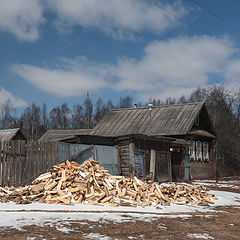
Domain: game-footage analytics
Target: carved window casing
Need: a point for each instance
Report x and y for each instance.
(192, 151)
(205, 151)
(199, 151)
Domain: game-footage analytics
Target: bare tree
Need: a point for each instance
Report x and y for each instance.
(77, 116)
(8, 120)
(59, 116)
(126, 102)
(31, 119)
(100, 111)
(88, 112)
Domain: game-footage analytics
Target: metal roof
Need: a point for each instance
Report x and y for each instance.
(59, 134)
(8, 134)
(164, 120)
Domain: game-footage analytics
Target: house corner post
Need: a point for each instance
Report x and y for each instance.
(152, 164)
(186, 166)
(132, 158)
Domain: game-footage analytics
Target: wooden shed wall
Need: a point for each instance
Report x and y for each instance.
(142, 152)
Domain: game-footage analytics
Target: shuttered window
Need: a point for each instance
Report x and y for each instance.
(192, 150)
(205, 151)
(199, 151)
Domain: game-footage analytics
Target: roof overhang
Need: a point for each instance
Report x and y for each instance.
(202, 133)
(146, 137)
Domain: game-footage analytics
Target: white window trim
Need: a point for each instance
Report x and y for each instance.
(206, 157)
(192, 146)
(199, 156)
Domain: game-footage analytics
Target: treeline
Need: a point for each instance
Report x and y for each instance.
(35, 119)
(223, 106)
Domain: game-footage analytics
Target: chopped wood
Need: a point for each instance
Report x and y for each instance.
(89, 183)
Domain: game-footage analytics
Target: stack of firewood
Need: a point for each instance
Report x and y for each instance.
(89, 183)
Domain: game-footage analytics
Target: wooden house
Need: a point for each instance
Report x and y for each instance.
(162, 143)
(190, 154)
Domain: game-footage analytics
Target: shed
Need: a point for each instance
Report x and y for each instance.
(127, 155)
(52, 135)
(189, 124)
(11, 134)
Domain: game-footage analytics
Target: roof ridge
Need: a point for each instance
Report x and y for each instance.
(9, 129)
(170, 105)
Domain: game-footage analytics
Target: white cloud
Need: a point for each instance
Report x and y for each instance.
(232, 71)
(15, 101)
(74, 79)
(173, 67)
(168, 68)
(21, 18)
(118, 18)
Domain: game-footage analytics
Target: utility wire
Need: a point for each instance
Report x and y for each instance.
(217, 16)
(199, 29)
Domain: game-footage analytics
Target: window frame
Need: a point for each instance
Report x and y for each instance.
(199, 151)
(205, 151)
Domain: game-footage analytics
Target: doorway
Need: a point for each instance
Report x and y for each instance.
(177, 168)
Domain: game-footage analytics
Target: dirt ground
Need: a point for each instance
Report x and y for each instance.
(223, 224)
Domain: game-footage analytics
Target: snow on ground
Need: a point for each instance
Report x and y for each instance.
(199, 236)
(97, 236)
(20, 219)
(220, 184)
(226, 199)
(17, 216)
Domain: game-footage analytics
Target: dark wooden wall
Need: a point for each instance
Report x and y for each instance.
(22, 161)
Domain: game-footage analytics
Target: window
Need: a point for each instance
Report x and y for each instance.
(205, 151)
(192, 150)
(139, 163)
(198, 151)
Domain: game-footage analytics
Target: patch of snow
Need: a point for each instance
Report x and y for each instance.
(199, 235)
(64, 229)
(227, 198)
(161, 226)
(220, 184)
(206, 216)
(20, 219)
(97, 236)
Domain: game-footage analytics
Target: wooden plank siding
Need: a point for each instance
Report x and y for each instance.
(22, 161)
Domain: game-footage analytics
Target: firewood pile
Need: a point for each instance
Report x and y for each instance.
(89, 183)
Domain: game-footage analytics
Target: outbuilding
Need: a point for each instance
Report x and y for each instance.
(7, 135)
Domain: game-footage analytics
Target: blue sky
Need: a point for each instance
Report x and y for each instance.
(54, 51)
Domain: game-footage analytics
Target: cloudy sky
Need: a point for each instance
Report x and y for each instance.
(54, 51)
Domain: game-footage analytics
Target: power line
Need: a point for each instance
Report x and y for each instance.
(221, 19)
(199, 29)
